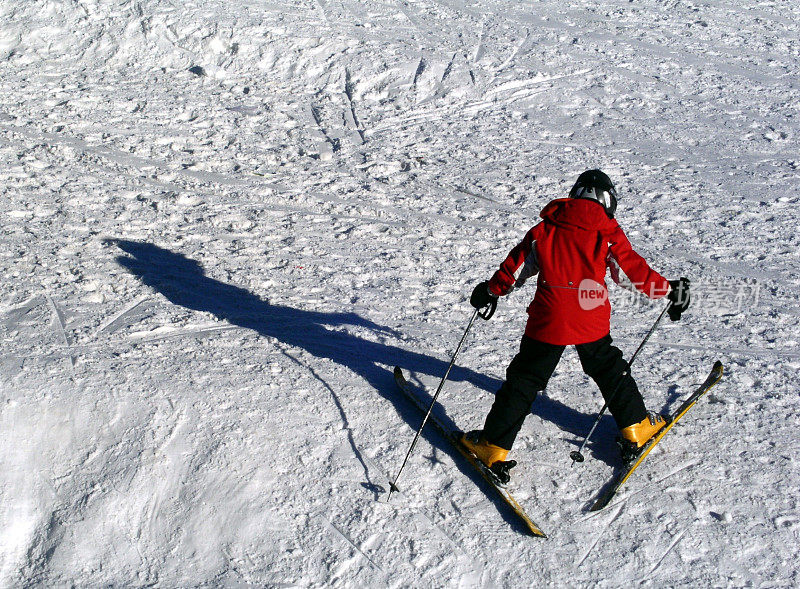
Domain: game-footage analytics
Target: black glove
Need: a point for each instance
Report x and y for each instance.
(679, 297)
(482, 298)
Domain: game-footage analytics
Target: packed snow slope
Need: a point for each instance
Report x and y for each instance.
(223, 222)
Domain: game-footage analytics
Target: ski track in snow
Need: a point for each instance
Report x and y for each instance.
(223, 223)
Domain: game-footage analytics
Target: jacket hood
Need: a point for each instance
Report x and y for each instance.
(577, 213)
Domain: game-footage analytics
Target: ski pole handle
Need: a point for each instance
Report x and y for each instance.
(488, 311)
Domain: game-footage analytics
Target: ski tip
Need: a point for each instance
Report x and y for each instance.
(716, 373)
(534, 529)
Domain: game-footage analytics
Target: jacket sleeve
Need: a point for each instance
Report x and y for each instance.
(629, 269)
(520, 265)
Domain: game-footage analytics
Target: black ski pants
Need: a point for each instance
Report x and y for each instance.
(533, 366)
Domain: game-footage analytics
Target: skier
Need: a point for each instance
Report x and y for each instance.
(570, 250)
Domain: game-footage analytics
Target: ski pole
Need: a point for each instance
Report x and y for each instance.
(485, 314)
(577, 455)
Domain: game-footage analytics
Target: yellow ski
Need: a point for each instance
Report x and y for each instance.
(454, 437)
(624, 475)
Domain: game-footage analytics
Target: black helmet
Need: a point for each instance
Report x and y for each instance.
(595, 185)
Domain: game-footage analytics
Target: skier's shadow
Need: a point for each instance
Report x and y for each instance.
(601, 445)
(576, 425)
(183, 282)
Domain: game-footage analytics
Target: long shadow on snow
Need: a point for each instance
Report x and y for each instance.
(184, 283)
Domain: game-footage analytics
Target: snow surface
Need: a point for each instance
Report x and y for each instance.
(223, 222)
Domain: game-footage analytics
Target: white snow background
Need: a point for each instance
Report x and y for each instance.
(223, 222)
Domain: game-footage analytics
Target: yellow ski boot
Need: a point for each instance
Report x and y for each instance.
(637, 435)
(493, 457)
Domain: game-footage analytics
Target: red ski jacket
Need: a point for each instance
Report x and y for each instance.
(570, 250)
